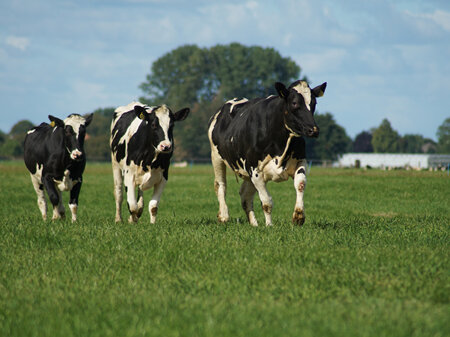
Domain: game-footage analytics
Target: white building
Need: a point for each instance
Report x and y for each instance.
(394, 160)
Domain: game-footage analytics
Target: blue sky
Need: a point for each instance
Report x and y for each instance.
(381, 58)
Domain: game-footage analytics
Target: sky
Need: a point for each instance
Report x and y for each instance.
(381, 58)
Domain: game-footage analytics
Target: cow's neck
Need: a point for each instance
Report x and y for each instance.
(278, 124)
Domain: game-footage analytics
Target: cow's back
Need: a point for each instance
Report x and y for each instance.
(245, 131)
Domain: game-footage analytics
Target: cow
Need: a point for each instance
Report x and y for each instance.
(54, 155)
(141, 147)
(262, 140)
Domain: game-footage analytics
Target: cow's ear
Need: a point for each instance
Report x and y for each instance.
(281, 90)
(88, 119)
(181, 115)
(140, 111)
(319, 90)
(55, 121)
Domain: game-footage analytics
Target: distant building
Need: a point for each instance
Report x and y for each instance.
(394, 160)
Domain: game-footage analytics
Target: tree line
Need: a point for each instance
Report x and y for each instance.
(204, 78)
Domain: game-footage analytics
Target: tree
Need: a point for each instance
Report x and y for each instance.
(410, 144)
(97, 136)
(385, 139)
(363, 142)
(443, 135)
(332, 141)
(203, 79)
(12, 146)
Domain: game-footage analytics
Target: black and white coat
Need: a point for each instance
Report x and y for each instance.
(141, 147)
(54, 155)
(261, 140)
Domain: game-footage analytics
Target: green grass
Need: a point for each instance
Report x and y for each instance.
(371, 260)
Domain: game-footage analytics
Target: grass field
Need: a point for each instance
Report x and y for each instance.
(371, 260)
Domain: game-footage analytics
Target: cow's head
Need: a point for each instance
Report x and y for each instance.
(160, 121)
(74, 127)
(300, 102)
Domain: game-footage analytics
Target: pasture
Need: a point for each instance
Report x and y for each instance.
(371, 260)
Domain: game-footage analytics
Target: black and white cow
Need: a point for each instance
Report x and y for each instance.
(141, 148)
(55, 157)
(262, 140)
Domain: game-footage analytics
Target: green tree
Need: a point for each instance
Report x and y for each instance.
(385, 139)
(332, 141)
(443, 135)
(97, 136)
(363, 142)
(203, 79)
(12, 146)
(410, 144)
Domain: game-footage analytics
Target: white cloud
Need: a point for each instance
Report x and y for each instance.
(441, 18)
(18, 42)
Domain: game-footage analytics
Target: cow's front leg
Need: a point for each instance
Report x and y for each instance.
(41, 201)
(73, 202)
(61, 213)
(153, 204)
(247, 193)
(298, 217)
(130, 189)
(140, 202)
(264, 196)
(53, 195)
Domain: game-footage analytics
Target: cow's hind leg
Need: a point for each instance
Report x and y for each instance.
(118, 190)
(220, 186)
(41, 201)
(264, 196)
(153, 204)
(298, 217)
(247, 193)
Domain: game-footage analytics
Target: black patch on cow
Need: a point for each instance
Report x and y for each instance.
(301, 170)
(141, 145)
(49, 146)
(257, 130)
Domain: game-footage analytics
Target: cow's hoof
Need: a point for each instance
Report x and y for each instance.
(298, 218)
(222, 218)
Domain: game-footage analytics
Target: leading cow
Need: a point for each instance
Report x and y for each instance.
(261, 140)
(54, 155)
(142, 145)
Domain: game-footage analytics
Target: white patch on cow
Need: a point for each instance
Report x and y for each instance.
(73, 210)
(127, 108)
(75, 121)
(163, 114)
(36, 179)
(303, 89)
(66, 184)
(31, 131)
(235, 102)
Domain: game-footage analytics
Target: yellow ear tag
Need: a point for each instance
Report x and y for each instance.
(142, 116)
(52, 124)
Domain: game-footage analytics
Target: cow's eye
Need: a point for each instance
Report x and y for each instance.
(153, 125)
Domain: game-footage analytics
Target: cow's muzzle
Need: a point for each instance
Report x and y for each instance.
(313, 132)
(165, 147)
(76, 154)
